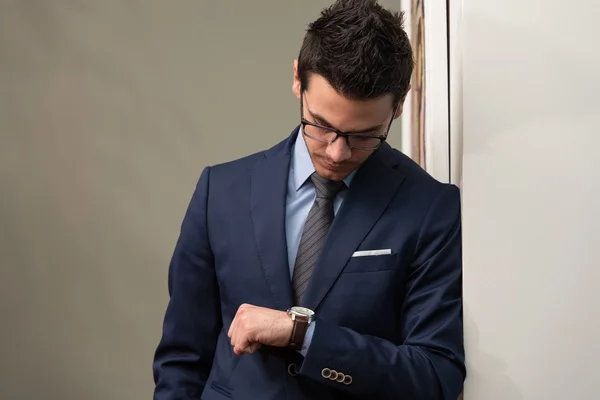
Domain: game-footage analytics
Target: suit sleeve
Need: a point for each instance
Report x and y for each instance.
(192, 322)
(429, 363)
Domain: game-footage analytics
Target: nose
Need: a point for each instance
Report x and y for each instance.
(339, 151)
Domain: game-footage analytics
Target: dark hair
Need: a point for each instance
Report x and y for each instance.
(360, 48)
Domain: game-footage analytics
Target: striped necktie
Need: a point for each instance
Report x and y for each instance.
(315, 231)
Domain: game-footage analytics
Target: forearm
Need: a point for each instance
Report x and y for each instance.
(379, 368)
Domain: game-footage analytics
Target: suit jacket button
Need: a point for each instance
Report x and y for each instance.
(347, 380)
(334, 375)
(326, 373)
(292, 369)
(340, 378)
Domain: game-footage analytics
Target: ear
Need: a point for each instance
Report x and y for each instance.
(296, 83)
(400, 107)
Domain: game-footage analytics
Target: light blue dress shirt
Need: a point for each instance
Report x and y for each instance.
(300, 197)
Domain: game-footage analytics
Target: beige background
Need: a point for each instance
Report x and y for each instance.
(108, 112)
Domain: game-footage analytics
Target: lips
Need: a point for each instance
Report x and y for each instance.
(334, 167)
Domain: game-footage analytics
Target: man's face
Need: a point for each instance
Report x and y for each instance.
(323, 105)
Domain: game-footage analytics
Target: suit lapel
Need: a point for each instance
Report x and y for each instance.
(372, 189)
(267, 207)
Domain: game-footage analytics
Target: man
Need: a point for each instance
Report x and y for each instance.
(329, 266)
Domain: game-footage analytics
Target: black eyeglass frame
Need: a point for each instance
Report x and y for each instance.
(338, 133)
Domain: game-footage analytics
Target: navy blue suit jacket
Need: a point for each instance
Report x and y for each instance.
(393, 323)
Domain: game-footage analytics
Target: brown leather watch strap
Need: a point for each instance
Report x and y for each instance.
(298, 332)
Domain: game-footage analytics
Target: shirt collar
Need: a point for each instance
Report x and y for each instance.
(302, 165)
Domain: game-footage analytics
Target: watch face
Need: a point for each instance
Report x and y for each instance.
(302, 311)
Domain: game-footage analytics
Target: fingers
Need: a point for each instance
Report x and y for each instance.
(238, 314)
(239, 341)
(254, 347)
(232, 329)
(239, 333)
(250, 348)
(242, 344)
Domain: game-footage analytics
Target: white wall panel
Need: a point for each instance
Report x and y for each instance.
(531, 184)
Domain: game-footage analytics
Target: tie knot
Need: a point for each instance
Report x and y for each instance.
(326, 189)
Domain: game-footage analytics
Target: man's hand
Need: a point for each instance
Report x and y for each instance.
(254, 326)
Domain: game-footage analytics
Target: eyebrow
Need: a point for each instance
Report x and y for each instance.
(325, 123)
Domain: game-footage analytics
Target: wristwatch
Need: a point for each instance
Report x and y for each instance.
(302, 317)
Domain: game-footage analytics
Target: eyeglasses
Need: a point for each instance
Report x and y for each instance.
(324, 134)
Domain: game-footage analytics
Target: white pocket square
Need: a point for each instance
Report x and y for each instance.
(365, 253)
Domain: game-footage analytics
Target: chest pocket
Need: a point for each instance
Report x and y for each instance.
(371, 263)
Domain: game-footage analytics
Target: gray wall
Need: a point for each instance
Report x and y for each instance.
(108, 112)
